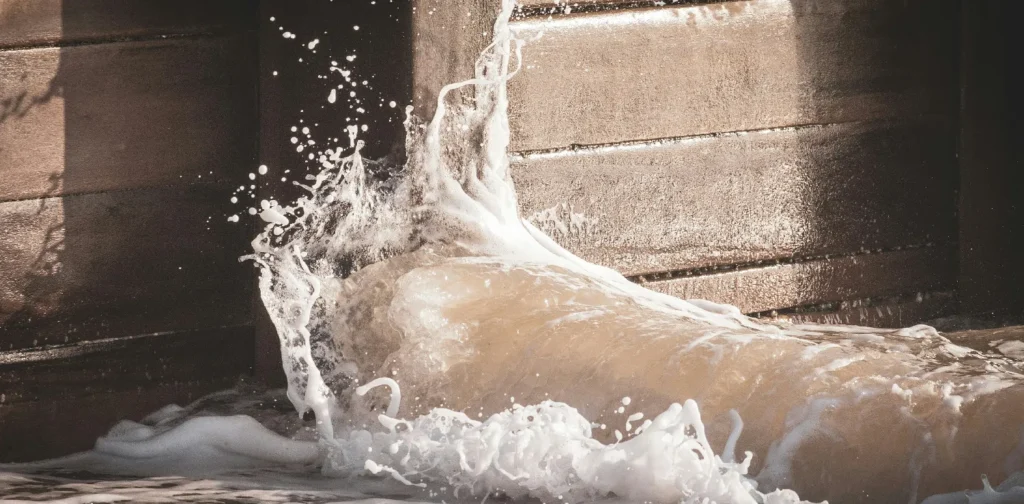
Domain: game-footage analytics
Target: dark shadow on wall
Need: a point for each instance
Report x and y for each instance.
(145, 128)
(881, 175)
(369, 45)
(991, 158)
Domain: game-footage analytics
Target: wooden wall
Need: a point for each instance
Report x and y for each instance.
(124, 128)
(785, 156)
(846, 161)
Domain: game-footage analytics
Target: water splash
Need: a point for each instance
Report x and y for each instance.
(421, 270)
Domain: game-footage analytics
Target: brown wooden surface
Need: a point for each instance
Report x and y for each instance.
(125, 125)
(126, 115)
(60, 400)
(118, 264)
(991, 206)
(446, 44)
(657, 139)
(38, 22)
(885, 312)
(678, 71)
(766, 288)
(748, 197)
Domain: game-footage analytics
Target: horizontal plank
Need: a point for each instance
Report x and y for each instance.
(116, 264)
(896, 314)
(126, 115)
(109, 366)
(678, 71)
(445, 46)
(820, 281)
(59, 400)
(35, 22)
(570, 6)
(746, 197)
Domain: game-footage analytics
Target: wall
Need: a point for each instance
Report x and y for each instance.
(793, 157)
(124, 128)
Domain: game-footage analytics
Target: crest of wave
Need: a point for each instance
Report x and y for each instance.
(546, 451)
(451, 192)
(452, 196)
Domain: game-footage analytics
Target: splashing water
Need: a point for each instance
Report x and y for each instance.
(432, 279)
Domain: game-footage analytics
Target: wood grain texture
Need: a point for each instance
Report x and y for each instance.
(118, 264)
(820, 281)
(58, 401)
(446, 43)
(747, 197)
(126, 115)
(991, 159)
(679, 71)
(42, 22)
(885, 314)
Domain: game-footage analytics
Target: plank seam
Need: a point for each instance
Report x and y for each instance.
(704, 271)
(832, 307)
(535, 11)
(49, 44)
(61, 352)
(222, 185)
(597, 148)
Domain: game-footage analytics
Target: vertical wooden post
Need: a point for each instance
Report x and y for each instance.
(991, 171)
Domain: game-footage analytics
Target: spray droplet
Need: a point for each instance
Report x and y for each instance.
(333, 97)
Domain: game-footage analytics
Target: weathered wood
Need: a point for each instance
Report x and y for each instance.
(37, 22)
(99, 367)
(992, 159)
(126, 115)
(884, 313)
(547, 7)
(446, 43)
(120, 264)
(57, 401)
(828, 280)
(679, 71)
(741, 198)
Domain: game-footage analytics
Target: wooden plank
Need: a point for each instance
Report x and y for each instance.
(541, 7)
(58, 401)
(896, 314)
(991, 160)
(126, 115)
(446, 43)
(679, 71)
(742, 198)
(820, 281)
(120, 264)
(99, 367)
(41, 22)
